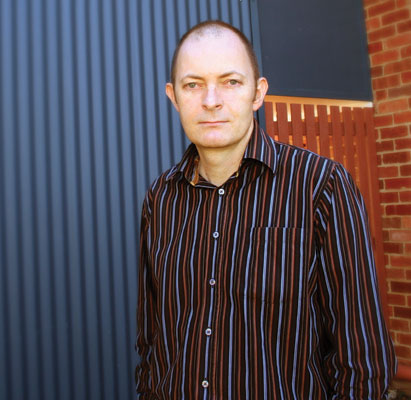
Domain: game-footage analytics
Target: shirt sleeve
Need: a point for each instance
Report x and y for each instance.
(359, 359)
(145, 310)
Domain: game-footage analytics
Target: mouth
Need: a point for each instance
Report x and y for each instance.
(210, 123)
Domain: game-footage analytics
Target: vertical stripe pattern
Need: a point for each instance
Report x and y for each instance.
(262, 288)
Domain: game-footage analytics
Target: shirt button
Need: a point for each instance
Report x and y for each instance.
(208, 331)
(221, 191)
(216, 235)
(211, 282)
(204, 384)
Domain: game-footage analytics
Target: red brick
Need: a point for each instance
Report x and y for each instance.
(395, 16)
(386, 82)
(408, 277)
(396, 157)
(389, 197)
(382, 33)
(393, 248)
(390, 106)
(402, 312)
(406, 77)
(399, 40)
(381, 94)
(385, 56)
(386, 236)
(401, 144)
(400, 287)
(402, 3)
(388, 172)
(383, 120)
(398, 66)
(377, 71)
(368, 3)
(392, 222)
(402, 351)
(404, 338)
(398, 209)
(406, 224)
(400, 261)
(394, 132)
(406, 52)
(400, 118)
(404, 26)
(395, 273)
(385, 145)
(407, 248)
(396, 299)
(399, 325)
(374, 47)
(406, 198)
(405, 169)
(399, 236)
(373, 23)
(381, 8)
(400, 91)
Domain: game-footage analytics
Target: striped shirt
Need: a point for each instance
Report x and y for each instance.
(262, 288)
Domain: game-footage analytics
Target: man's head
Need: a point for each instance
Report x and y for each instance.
(215, 86)
(216, 27)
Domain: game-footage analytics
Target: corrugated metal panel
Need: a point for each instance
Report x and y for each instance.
(84, 128)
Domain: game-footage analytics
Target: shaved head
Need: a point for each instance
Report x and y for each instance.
(215, 28)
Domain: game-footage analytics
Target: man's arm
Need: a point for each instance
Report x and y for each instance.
(145, 310)
(359, 359)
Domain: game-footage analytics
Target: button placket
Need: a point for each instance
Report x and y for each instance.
(208, 328)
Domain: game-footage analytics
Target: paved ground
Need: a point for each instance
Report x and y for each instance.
(400, 390)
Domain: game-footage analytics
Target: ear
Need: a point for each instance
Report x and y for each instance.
(171, 95)
(261, 90)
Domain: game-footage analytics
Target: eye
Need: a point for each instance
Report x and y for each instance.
(192, 85)
(231, 82)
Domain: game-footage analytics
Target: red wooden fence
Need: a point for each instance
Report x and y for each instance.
(347, 136)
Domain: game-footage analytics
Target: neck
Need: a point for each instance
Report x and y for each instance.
(216, 165)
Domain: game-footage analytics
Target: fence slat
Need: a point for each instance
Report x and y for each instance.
(324, 131)
(362, 154)
(311, 127)
(282, 120)
(297, 126)
(269, 118)
(349, 141)
(336, 129)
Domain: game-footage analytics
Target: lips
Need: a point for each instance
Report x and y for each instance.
(212, 122)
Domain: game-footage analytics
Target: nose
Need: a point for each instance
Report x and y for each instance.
(212, 98)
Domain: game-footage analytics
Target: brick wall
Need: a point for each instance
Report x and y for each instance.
(389, 40)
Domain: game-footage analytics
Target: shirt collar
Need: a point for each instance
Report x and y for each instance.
(261, 147)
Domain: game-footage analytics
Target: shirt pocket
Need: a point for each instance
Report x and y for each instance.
(271, 264)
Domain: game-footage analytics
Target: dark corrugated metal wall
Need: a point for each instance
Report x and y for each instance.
(84, 128)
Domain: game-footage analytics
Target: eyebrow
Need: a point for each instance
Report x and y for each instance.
(192, 76)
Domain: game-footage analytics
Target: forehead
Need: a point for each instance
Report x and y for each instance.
(213, 52)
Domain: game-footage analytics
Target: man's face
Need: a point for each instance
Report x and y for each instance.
(215, 91)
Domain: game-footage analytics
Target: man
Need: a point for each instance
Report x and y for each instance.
(257, 277)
